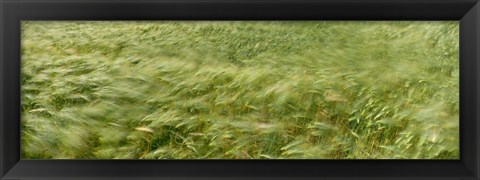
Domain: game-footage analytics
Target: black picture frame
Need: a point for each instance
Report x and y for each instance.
(14, 11)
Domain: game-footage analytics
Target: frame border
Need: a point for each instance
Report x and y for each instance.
(465, 11)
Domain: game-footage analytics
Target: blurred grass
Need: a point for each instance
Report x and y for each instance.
(240, 90)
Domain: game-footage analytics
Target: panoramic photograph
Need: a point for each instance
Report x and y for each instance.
(322, 90)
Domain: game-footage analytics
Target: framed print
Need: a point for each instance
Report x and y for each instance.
(245, 89)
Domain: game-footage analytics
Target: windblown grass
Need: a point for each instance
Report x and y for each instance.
(240, 90)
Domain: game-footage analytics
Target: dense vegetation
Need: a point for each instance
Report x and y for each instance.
(240, 90)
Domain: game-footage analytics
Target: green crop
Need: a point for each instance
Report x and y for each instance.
(240, 90)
